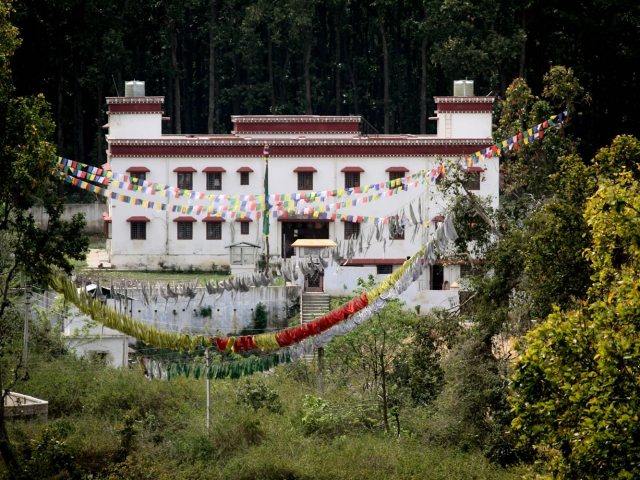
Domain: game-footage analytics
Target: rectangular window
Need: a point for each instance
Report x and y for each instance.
(244, 228)
(142, 176)
(384, 269)
(244, 178)
(185, 231)
(138, 230)
(305, 181)
(214, 231)
(214, 181)
(351, 230)
(351, 180)
(185, 180)
(395, 175)
(472, 181)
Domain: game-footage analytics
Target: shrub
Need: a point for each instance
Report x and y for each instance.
(257, 395)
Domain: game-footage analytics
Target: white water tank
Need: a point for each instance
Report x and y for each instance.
(134, 89)
(463, 88)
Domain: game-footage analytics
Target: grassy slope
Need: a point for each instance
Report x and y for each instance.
(91, 402)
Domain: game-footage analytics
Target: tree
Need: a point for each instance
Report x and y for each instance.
(373, 347)
(27, 249)
(574, 389)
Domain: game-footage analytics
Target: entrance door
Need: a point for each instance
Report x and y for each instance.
(314, 282)
(307, 230)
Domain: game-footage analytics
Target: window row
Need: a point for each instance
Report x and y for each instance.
(185, 230)
(305, 178)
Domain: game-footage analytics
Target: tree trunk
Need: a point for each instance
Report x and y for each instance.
(272, 87)
(175, 71)
(307, 77)
(100, 134)
(59, 121)
(352, 77)
(383, 379)
(177, 107)
(522, 49)
(385, 70)
(212, 68)
(8, 455)
(338, 89)
(423, 86)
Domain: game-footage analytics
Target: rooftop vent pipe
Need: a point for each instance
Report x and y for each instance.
(134, 89)
(463, 88)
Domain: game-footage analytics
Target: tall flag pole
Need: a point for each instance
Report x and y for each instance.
(265, 217)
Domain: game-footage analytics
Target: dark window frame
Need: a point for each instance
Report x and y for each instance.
(351, 229)
(396, 175)
(472, 181)
(302, 180)
(211, 180)
(185, 230)
(384, 269)
(214, 231)
(351, 179)
(139, 175)
(244, 228)
(138, 230)
(185, 180)
(244, 178)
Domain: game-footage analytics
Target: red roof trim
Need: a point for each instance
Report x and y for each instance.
(352, 170)
(184, 219)
(214, 170)
(185, 170)
(138, 170)
(305, 170)
(374, 261)
(213, 219)
(313, 150)
(397, 169)
(244, 220)
(438, 219)
(303, 220)
(473, 169)
(244, 169)
(139, 218)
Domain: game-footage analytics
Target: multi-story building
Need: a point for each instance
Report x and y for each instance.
(307, 154)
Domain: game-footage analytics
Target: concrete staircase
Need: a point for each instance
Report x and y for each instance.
(314, 305)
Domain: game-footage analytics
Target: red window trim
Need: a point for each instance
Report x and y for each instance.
(185, 170)
(138, 219)
(473, 169)
(214, 170)
(213, 219)
(397, 169)
(245, 170)
(305, 170)
(184, 219)
(352, 170)
(178, 230)
(138, 170)
(244, 220)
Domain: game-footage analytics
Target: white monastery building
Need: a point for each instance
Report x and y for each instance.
(307, 154)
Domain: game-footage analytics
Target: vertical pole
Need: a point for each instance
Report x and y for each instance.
(320, 366)
(208, 391)
(265, 228)
(25, 347)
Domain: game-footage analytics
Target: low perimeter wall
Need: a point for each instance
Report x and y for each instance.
(92, 214)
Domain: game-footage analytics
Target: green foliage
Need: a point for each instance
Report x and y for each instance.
(258, 395)
(574, 388)
(205, 311)
(260, 317)
(317, 417)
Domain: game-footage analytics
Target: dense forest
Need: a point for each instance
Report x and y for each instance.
(384, 59)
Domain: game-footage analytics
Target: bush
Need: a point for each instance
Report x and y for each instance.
(257, 395)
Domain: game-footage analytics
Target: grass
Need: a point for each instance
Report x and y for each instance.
(152, 276)
(97, 412)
